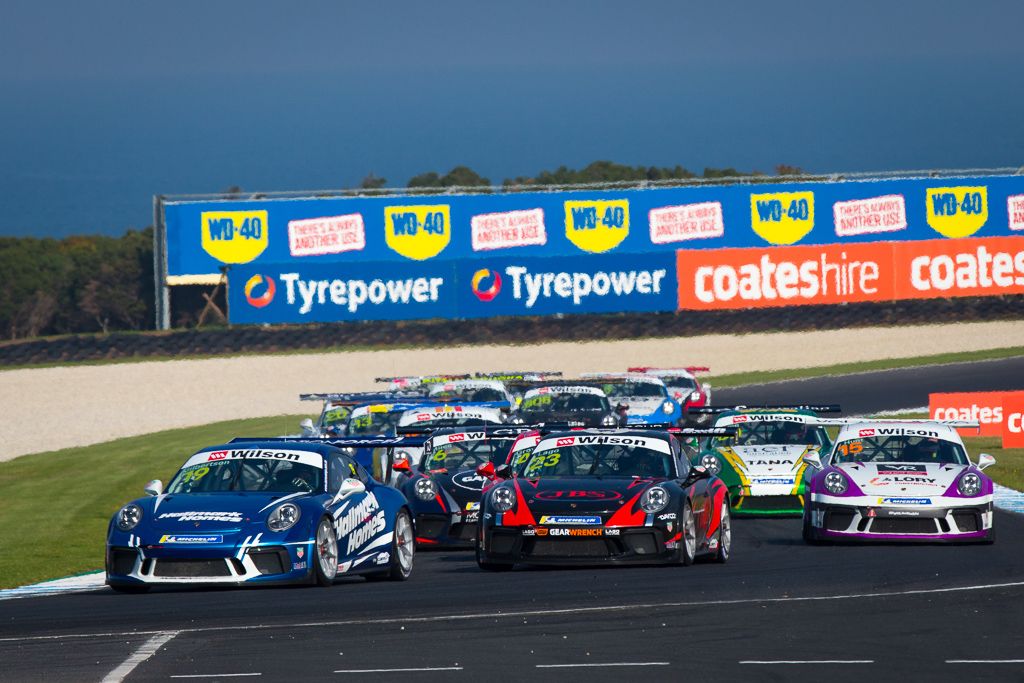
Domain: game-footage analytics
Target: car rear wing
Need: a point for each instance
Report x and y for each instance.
(342, 441)
(816, 408)
(690, 369)
(357, 398)
(424, 379)
(956, 424)
(518, 375)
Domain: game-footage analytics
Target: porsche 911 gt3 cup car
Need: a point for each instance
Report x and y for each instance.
(336, 415)
(605, 496)
(648, 398)
(566, 402)
(418, 383)
(444, 489)
(763, 463)
(472, 391)
(261, 511)
(900, 481)
(682, 383)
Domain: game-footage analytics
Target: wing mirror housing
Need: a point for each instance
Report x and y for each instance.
(985, 460)
(156, 487)
(349, 487)
(307, 427)
(402, 466)
(486, 470)
(813, 459)
(697, 472)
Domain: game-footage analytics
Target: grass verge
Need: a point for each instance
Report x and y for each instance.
(56, 506)
(759, 377)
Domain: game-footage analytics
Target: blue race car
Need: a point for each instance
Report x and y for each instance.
(263, 511)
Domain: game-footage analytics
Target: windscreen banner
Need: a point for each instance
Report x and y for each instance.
(204, 236)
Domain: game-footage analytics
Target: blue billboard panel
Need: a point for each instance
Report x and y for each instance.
(331, 292)
(203, 236)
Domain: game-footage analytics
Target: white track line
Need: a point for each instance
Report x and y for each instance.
(214, 675)
(573, 666)
(808, 661)
(145, 651)
(985, 661)
(384, 671)
(527, 613)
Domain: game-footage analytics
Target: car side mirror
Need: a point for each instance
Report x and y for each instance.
(486, 470)
(985, 460)
(813, 459)
(307, 427)
(401, 466)
(349, 487)
(156, 487)
(503, 471)
(697, 472)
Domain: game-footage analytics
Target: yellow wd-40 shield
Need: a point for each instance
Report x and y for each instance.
(234, 236)
(418, 232)
(782, 217)
(598, 225)
(957, 211)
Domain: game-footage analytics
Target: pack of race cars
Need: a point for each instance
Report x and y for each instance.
(533, 468)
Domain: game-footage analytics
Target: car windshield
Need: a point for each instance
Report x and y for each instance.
(442, 420)
(334, 416)
(918, 449)
(598, 460)
(773, 433)
(679, 382)
(565, 403)
(625, 389)
(467, 455)
(374, 423)
(277, 476)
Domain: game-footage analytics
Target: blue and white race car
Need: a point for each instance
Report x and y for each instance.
(263, 511)
(649, 400)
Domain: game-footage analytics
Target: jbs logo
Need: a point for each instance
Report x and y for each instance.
(579, 495)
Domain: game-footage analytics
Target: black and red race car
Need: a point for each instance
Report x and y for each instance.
(606, 496)
(444, 488)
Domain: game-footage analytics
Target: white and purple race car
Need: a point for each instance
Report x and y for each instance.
(899, 480)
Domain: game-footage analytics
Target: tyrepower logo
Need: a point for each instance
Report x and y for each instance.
(253, 293)
(580, 286)
(355, 293)
(486, 284)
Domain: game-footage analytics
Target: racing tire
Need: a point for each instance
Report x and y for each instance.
(129, 588)
(724, 535)
(325, 551)
(490, 566)
(809, 534)
(688, 533)
(403, 551)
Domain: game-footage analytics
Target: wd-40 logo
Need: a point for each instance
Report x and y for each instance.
(418, 232)
(234, 236)
(597, 226)
(957, 211)
(259, 290)
(486, 284)
(782, 217)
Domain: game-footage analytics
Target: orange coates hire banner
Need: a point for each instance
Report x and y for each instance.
(1001, 413)
(711, 279)
(1013, 419)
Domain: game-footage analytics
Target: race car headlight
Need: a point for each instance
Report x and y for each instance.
(667, 407)
(503, 499)
(425, 489)
(654, 500)
(969, 484)
(609, 421)
(711, 464)
(129, 517)
(283, 517)
(835, 482)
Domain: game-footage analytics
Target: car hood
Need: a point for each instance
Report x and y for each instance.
(581, 495)
(645, 406)
(221, 512)
(894, 479)
(463, 485)
(765, 462)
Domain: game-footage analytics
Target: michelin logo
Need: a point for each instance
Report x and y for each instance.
(352, 294)
(578, 286)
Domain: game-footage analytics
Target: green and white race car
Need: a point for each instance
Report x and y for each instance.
(763, 463)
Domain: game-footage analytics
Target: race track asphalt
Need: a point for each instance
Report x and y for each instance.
(779, 610)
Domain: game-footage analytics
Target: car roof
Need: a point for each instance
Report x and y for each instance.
(324, 449)
(468, 384)
(725, 418)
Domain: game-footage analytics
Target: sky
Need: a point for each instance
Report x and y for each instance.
(103, 105)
